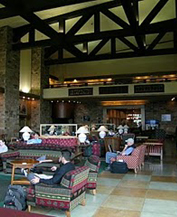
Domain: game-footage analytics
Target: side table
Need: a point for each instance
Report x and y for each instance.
(22, 163)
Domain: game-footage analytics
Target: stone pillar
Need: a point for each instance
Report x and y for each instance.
(9, 74)
(40, 109)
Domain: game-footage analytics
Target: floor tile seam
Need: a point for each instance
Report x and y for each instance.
(164, 181)
(161, 200)
(168, 183)
(158, 213)
(121, 209)
(161, 190)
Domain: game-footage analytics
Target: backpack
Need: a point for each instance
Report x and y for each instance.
(118, 167)
(87, 151)
(15, 198)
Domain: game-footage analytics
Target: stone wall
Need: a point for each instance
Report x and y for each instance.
(40, 109)
(9, 73)
(90, 109)
(154, 110)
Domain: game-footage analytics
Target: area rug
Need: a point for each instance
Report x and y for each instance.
(102, 166)
(4, 183)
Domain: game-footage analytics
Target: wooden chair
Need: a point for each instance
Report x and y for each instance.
(113, 141)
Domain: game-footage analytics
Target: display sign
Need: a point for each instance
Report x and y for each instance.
(166, 117)
(80, 91)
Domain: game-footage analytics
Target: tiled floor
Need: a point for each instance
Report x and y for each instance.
(150, 193)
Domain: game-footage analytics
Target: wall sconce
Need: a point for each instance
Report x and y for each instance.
(82, 131)
(102, 131)
(26, 133)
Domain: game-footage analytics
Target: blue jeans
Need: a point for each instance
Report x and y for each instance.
(109, 155)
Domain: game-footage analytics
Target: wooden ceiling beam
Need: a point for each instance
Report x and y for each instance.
(21, 31)
(153, 13)
(128, 43)
(155, 41)
(116, 56)
(75, 28)
(81, 12)
(164, 26)
(97, 22)
(115, 19)
(40, 25)
(131, 13)
(98, 47)
(38, 5)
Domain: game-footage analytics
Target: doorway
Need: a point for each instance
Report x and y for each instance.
(133, 116)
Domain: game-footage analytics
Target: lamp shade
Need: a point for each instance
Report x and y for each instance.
(26, 129)
(82, 129)
(102, 128)
(126, 126)
(51, 128)
(120, 127)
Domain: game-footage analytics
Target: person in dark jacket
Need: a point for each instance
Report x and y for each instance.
(58, 172)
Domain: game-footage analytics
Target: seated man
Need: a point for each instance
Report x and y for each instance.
(35, 139)
(128, 149)
(59, 172)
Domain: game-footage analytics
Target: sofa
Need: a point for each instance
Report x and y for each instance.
(7, 157)
(48, 144)
(65, 196)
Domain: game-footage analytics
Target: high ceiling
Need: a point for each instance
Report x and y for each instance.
(87, 30)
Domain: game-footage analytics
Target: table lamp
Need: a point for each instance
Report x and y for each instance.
(51, 129)
(26, 133)
(120, 129)
(126, 127)
(82, 133)
(102, 131)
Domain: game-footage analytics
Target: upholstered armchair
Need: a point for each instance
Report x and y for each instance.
(134, 160)
(65, 196)
(93, 163)
(142, 155)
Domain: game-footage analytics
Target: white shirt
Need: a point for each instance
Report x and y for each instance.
(3, 148)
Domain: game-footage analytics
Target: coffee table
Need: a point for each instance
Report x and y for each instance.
(22, 163)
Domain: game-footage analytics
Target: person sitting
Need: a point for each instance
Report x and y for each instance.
(128, 149)
(3, 147)
(35, 139)
(67, 166)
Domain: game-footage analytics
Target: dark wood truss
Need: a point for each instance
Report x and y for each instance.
(62, 40)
